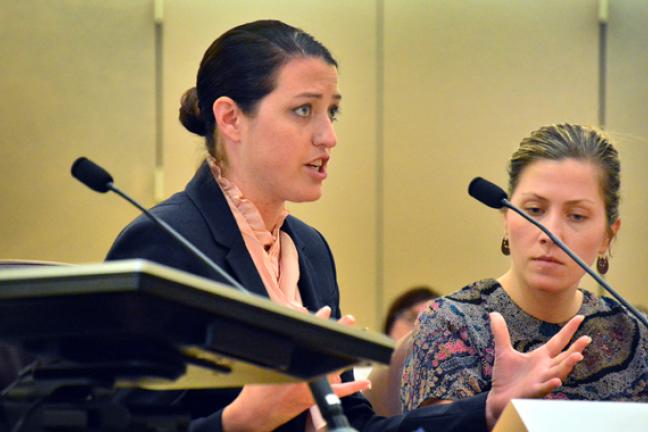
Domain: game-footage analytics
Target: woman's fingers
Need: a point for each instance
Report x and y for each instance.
(577, 347)
(347, 388)
(347, 320)
(580, 344)
(547, 387)
(500, 332)
(334, 379)
(564, 368)
(324, 312)
(556, 344)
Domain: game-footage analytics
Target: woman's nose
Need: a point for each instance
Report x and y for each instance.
(325, 133)
(554, 223)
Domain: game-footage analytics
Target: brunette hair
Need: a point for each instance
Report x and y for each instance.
(405, 301)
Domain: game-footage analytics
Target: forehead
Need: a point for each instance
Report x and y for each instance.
(567, 179)
(308, 75)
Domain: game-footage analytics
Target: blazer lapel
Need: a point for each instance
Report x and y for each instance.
(208, 197)
(244, 269)
(307, 288)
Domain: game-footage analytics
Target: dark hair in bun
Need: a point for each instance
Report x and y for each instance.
(190, 116)
(243, 64)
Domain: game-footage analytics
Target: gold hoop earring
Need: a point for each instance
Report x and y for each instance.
(602, 264)
(505, 247)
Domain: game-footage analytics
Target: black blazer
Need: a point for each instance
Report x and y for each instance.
(202, 215)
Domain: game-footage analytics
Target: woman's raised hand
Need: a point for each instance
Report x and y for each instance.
(533, 374)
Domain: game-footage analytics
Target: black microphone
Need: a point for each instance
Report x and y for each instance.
(493, 196)
(98, 179)
(91, 175)
(486, 192)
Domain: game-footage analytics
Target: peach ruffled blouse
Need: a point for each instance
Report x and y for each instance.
(273, 252)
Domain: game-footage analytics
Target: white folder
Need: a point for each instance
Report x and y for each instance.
(537, 415)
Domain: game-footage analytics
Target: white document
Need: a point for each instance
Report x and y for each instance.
(537, 415)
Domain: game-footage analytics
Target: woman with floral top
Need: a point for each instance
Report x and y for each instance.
(568, 178)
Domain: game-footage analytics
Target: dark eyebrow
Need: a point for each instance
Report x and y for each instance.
(336, 96)
(534, 196)
(579, 201)
(571, 202)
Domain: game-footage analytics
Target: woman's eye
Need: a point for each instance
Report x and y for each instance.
(334, 112)
(303, 111)
(534, 211)
(577, 217)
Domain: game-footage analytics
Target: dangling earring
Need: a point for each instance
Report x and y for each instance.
(602, 264)
(506, 250)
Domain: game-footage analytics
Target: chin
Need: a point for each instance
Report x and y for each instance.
(551, 289)
(548, 283)
(306, 196)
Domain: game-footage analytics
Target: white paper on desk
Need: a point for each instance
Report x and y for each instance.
(537, 415)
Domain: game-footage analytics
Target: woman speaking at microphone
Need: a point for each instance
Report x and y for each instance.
(568, 178)
(265, 100)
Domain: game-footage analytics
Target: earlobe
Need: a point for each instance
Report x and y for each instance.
(227, 115)
(614, 229)
(504, 214)
(616, 226)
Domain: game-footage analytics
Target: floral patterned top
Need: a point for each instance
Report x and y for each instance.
(453, 352)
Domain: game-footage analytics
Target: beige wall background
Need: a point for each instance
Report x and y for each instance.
(435, 93)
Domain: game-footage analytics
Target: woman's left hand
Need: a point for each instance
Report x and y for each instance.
(533, 374)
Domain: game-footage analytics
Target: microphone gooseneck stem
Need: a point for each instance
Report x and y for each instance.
(642, 318)
(330, 406)
(180, 238)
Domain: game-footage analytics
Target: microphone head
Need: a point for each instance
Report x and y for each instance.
(91, 175)
(487, 192)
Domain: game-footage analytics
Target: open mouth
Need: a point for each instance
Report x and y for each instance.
(318, 165)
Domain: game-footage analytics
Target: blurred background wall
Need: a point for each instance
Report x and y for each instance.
(435, 93)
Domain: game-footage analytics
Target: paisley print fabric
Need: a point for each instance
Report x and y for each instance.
(453, 352)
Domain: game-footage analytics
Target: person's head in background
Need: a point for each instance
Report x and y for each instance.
(404, 310)
(568, 177)
(265, 98)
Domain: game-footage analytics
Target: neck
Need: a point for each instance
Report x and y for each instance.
(269, 210)
(270, 213)
(552, 307)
